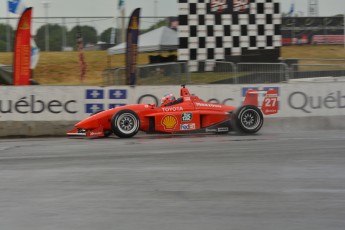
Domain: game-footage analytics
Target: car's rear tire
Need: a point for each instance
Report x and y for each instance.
(247, 119)
(125, 123)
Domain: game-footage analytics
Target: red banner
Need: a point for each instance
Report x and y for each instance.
(328, 39)
(22, 50)
(82, 62)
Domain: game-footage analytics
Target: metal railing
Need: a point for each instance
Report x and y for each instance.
(172, 73)
(6, 72)
(262, 72)
(220, 72)
(298, 71)
(215, 72)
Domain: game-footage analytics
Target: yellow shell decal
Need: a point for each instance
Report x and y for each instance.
(169, 122)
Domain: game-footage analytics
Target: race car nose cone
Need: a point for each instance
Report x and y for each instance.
(87, 124)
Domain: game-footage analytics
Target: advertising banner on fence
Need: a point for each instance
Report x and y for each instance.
(52, 103)
(22, 50)
(132, 47)
(228, 6)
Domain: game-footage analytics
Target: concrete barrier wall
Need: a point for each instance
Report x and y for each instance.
(47, 110)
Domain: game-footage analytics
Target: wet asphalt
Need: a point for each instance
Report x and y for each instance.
(272, 180)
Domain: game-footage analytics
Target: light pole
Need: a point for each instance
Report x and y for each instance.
(155, 10)
(46, 5)
(8, 33)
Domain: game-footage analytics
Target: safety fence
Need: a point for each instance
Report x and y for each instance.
(316, 71)
(220, 72)
(216, 72)
(262, 72)
(59, 33)
(301, 68)
(154, 74)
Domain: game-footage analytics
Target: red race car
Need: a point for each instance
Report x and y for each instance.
(187, 114)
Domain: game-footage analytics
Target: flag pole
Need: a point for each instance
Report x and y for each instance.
(123, 34)
(122, 20)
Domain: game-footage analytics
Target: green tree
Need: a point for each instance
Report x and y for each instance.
(155, 26)
(89, 35)
(4, 29)
(106, 35)
(56, 33)
(2, 46)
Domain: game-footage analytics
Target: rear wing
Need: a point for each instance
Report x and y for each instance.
(270, 103)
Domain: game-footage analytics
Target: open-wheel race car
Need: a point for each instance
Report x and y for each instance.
(187, 114)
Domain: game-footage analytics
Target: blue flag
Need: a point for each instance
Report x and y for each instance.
(292, 9)
(34, 54)
(121, 4)
(16, 6)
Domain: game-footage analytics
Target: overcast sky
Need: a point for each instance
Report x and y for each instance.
(95, 8)
(165, 7)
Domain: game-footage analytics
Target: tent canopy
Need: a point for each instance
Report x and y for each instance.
(161, 39)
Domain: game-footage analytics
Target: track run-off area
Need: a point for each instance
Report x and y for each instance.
(271, 180)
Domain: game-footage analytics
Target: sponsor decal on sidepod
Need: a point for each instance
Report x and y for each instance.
(169, 122)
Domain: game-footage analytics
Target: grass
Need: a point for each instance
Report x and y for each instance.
(314, 51)
(62, 68)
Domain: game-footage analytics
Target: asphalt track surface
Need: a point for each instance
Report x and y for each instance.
(269, 181)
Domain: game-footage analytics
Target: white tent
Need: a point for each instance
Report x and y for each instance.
(161, 39)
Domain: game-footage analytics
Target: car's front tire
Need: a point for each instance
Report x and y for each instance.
(125, 123)
(247, 119)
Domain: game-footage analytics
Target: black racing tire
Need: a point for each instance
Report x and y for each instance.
(247, 119)
(125, 123)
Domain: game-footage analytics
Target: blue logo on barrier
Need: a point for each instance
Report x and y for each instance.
(92, 108)
(117, 94)
(94, 94)
(111, 106)
(245, 89)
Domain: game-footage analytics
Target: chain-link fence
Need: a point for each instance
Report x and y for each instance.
(6, 72)
(174, 73)
(215, 72)
(218, 72)
(262, 72)
(316, 71)
(315, 67)
(59, 33)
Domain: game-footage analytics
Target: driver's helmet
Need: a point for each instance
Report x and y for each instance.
(168, 98)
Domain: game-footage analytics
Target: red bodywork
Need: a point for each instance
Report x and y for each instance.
(191, 115)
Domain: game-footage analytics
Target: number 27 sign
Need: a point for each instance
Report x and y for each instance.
(270, 104)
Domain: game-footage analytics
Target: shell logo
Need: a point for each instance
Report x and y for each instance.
(169, 122)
